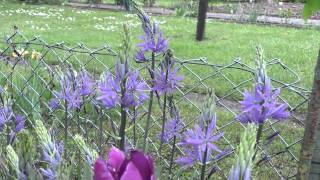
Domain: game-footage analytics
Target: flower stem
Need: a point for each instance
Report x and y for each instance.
(172, 156)
(100, 135)
(122, 131)
(65, 124)
(258, 137)
(8, 135)
(259, 134)
(204, 163)
(134, 127)
(146, 132)
(163, 114)
(163, 122)
(85, 122)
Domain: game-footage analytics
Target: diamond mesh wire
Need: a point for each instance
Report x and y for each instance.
(32, 83)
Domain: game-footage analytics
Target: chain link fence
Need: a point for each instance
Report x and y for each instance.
(30, 69)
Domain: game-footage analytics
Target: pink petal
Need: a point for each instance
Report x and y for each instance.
(116, 158)
(144, 164)
(131, 173)
(101, 171)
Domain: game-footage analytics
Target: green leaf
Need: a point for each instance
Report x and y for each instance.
(310, 7)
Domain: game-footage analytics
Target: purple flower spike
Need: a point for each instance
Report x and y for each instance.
(167, 84)
(172, 128)
(138, 167)
(69, 93)
(197, 141)
(262, 104)
(52, 155)
(140, 57)
(153, 41)
(109, 91)
(6, 114)
(136, 91)
(54, 104)
(86, 85)
(20, 122)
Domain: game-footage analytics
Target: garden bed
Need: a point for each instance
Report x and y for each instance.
(237, 14)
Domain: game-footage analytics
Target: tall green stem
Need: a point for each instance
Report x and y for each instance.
(163, 115)
(258, 137)
(172, 156)
(204, 163)
(122, 131)
(146, 132)
(65, 125)
(134, 127)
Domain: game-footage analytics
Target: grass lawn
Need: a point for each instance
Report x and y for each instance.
(224, 42)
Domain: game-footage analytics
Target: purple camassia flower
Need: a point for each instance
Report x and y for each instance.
(52, 155)
(167, 84)
(6, 114)
(136, 90)
(153, 41)
(69, 93)
(20, 125)
(138, 167)
(54, 104)
(110, 89)
(141, 56)
(86, 85)
(197, 141)
(172, 128)
(261, 105)
(72, 90)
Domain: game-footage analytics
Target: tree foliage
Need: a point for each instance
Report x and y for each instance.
(310, 7)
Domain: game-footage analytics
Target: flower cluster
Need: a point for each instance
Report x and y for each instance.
(243, 167)
(135, 89)
(19, 126)
(167, 82)
(199, 140)
(172, 129)
(86, 85)
(153, 41)
(138, 166)
(52, 155)
(261, 105)
(72, 90)
(51, 151)
(8, 116)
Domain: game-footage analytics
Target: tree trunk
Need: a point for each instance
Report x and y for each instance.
(310, 153)
(119, 2)
(315, 161)
(202, 15)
